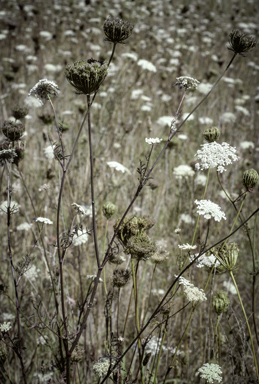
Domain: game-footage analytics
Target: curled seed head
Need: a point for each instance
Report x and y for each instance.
(13, 130)
(109, 209)
(117, 30)
(240, 43)
(20, 112)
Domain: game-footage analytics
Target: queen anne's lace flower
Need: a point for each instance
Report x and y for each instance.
(191, 292)
(209, 210)
(5, 327)
(118, 166)
(79, 209)
(187, 82)
(145, 64)
(43, 220)
(215, 155)
(43, 89)
(183, 171)
(153, 141)
(80, 238)
(211, 372)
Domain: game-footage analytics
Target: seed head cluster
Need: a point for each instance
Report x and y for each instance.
(240, 42)
(117, 30)
(43, 90)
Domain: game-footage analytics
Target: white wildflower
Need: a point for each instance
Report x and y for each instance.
(204, 88)
(205, 120)
(44, 187)
(14, 207)
(5, 327)
(32, 273)
(153, 141)
(247, 144)
(187, 82)
(200, 180)
(158, 291)
(118, 166)
(208, 209)
(204, 260)
(183, 171)
(243, 110)
(43, 220)
(187, 247)
(43, 377)
(165, 120)
(136, 93)
(215, 155)
(42, 340)
(145, 64)
(47, 35)
(120, 338)
(177, 230)
(24, 227)
(49, 152)
(191, 292)
(133, 56)
(230, 287)
(7, 316)
(43, 89)
(182, 137)
(79, 209)
(228, 117)
(186, 218)
(211, 372)
(80, 238)
(153, 345)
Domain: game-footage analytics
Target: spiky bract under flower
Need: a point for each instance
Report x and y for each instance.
(86, 76)
(117, 30)
(43, 90)
(240, 42)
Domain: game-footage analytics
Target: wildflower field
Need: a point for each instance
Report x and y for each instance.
(129, 199)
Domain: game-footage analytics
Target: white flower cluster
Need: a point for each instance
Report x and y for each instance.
(215, 155)
(153, 345)
(187, 82)
(80, 238)
(118, 166)
(145, 64)
(183, 171)
(32, 273)
(5, 327)
(153, 141)
(204, 260)
(211, 372)
(79, 209)
(187, 247)
(209, 209)
(43, 220)
(43, 89)
(191, 292)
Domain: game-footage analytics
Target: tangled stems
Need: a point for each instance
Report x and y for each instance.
(247, 323)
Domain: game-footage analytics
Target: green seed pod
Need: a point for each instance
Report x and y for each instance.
(86, 76)
(13, 130)
(120, 277)
(20, 112)
(211, 134)
(109, 209)
(141, 247)
(250, 178)
(220, 302)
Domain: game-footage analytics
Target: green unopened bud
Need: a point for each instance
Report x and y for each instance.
(109, 209)
(13, 130)
(211, 134)
(20, 112)
(220, 302)
(86, 76)
(250, 178)
(228, 255)
(120, 277)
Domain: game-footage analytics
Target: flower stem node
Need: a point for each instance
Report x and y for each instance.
(240, 42)
(109, 209)
(211, 134)
(220, 302)
(117, 30)
(86, 76)
(13, 130)
(250, 178)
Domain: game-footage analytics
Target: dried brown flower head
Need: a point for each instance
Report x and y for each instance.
(117, 30)
(240, 42)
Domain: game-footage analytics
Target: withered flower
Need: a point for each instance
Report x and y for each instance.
(117, 30)
(240, 42)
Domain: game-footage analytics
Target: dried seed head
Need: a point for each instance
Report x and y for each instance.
(109, 209)
(86, 76)
(211, 134)
(43, 90)
(161, 255)
(220, 302)
(20, 112)
(19, 148)
(120, 277)
(227, 254)
(13, 130)
(250, 178)
(117, 30)
(141, 247)
(7, 154)
(240, 42)
(132, 227)
(77, 354)
(116, 259)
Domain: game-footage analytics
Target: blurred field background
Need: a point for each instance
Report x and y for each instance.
(37, 40)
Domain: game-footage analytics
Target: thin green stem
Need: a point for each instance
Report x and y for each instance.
(247, 323)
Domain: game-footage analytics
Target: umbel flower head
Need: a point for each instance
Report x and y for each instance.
(187, 83)
(240, 42)
(250, 178)
(227, 255)
(220, 302)
(120, 277)
(211, 134)
(132, 227)
(109, 209)
(20, 112)
(13, 130)
(117, 30)
(43, 90)
(103, 364)
(141, 247)
(211, 372)
(86, 76)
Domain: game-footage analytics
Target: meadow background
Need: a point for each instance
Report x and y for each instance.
(37, 40)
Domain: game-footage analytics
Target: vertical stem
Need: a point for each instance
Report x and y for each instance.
(247, 323)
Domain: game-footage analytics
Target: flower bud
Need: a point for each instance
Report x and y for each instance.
(117, 30)
(109, 209)
(86, 76)
(120, 277)
(250, 178)
(220, 302)
(211, 134)
(12, 130)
